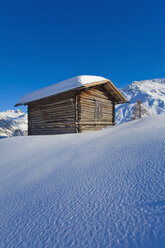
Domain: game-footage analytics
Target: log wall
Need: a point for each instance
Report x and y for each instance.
(52, 115)
(89, 120)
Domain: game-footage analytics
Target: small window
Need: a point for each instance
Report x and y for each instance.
(98, 109)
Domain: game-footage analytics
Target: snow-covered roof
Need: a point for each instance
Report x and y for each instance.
(66, 85)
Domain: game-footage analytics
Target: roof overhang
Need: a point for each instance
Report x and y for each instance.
(112, 90)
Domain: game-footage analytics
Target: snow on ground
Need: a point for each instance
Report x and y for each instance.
(65, 85)
(100, 189)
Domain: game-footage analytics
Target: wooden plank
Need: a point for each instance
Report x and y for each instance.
(76, 112)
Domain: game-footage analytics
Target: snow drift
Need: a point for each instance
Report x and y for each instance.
(101, 189)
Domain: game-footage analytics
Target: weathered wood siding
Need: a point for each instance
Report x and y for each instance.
(52, 115)
(79, 111)
(88, 103)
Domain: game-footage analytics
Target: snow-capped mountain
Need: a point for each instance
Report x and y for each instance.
(150, 92)
(13, 123)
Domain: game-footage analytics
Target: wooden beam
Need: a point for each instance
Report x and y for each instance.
(77, 112)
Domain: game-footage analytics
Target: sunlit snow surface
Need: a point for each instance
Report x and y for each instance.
(101, 189)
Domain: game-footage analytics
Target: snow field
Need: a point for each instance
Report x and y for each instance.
(100, 189)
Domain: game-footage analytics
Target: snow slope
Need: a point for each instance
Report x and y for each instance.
(65, 85)
(100, 189)
(150, 92)
(13, 123)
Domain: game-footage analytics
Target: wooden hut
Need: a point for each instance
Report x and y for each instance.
(76, 105)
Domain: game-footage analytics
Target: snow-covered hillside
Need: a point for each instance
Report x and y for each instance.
(101, 189)
(150, 92)
(13, 123)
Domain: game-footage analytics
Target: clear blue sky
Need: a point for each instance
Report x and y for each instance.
(44, 42)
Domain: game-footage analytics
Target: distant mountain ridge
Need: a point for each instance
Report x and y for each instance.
(150, 92)
(13, 123)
